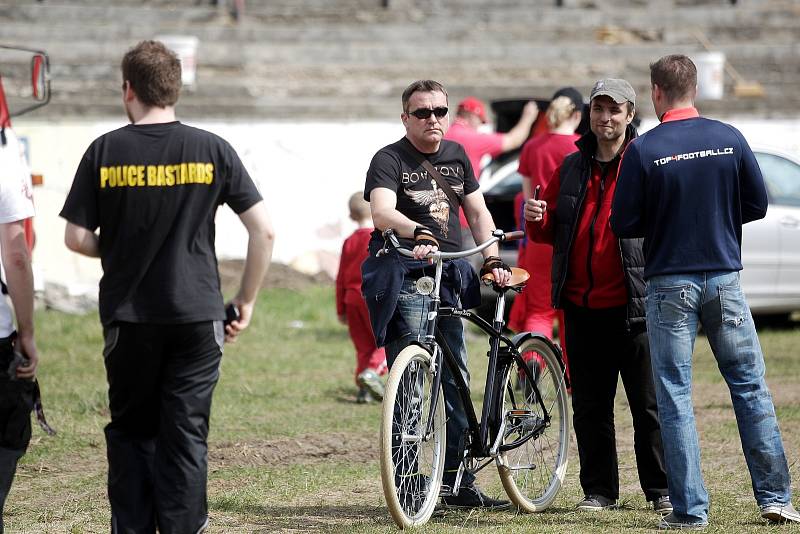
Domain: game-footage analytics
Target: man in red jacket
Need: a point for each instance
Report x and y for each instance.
(597, 281)
(351, 308)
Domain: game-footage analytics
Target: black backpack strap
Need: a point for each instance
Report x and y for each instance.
(443, 185)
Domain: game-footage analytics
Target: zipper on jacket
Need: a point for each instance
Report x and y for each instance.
(579, 200)
(591, 233)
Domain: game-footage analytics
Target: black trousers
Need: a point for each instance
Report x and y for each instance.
(16, 404)
(161, 379)
(600, 351)
(8, 466)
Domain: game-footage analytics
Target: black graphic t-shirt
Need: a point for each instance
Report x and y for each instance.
(419, 197)
(153, 191)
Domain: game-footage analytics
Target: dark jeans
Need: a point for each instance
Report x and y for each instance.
(601, 350)
(16, 404)
(161, 378)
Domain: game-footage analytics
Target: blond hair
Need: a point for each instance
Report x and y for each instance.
(359, 208)
(559, 110)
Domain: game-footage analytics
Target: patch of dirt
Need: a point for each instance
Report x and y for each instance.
(279, 275)
(309, 449)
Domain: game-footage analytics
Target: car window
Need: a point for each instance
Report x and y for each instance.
(782, 178)
(510, 185)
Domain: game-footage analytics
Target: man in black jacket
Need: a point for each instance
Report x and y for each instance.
(597, 280)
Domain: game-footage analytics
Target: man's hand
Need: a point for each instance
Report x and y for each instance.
(424, 242)
(534, 210)
(234, 328)
(500, 271)
(27, 346)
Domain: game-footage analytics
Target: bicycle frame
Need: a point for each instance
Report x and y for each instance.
(484, 440)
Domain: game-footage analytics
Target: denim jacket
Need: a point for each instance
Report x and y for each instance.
(382, 279)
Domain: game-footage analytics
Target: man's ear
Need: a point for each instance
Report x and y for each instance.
(128, 93)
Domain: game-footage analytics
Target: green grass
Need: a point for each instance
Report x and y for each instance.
(291, 451)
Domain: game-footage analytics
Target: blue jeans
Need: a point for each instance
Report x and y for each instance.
(675, 306)
(414, 309)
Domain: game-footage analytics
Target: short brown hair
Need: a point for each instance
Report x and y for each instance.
(424, 86)
(675, 75)
(154, 73)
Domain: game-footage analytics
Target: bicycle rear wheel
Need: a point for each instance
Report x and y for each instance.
(412, 460)
(533, 470)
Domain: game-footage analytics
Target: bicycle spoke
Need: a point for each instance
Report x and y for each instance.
(415, 456)
(532, 471)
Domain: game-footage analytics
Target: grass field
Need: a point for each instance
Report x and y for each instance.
(291, 451)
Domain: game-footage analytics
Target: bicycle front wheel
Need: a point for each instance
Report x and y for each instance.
(412, 450)
(533, 454)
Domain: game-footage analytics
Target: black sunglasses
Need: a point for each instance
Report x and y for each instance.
(424, 113)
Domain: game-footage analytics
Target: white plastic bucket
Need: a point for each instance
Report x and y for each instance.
(185, 46)
(710, 75)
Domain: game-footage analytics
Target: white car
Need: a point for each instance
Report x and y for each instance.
(770, 246)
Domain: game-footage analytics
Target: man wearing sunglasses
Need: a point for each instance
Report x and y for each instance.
(408, 198)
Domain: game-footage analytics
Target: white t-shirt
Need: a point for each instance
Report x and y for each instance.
(16, 203)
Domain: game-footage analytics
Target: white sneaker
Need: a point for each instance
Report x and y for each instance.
(369, 380)
(780, 513)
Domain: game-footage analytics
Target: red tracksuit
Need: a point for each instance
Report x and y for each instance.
(350, 303)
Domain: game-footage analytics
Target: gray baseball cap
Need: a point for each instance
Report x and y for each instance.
(619, 90)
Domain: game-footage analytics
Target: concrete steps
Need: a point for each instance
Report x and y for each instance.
(352, 58)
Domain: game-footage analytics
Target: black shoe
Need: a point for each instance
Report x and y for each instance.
(472, 497)
(595, 503)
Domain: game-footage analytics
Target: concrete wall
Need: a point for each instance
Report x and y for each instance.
(306, 172)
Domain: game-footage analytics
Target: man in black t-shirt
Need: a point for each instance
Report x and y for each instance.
(405, 197)
(152, 188)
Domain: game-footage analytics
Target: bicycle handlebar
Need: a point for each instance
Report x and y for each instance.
(390, 236)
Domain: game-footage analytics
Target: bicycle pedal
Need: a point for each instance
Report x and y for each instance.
(446, 491)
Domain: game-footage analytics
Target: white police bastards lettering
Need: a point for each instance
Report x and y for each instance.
(694, 155)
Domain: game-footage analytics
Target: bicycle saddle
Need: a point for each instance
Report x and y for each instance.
(518, 278)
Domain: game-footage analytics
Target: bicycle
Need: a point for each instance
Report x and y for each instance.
(524, 425)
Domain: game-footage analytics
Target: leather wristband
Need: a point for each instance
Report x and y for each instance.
(423, 236)
(493, 262)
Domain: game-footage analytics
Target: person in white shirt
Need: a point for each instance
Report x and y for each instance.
(16, 374)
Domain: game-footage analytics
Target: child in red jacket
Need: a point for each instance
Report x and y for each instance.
(351, 308)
